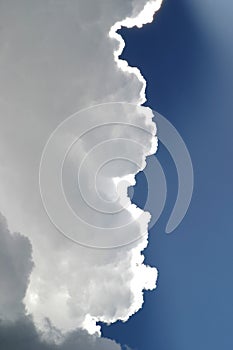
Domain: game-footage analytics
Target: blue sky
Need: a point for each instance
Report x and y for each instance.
(186, 57)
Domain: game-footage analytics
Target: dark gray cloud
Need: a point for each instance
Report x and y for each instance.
(15, 268)
(23, 336)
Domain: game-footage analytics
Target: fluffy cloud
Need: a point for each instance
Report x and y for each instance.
(18, 330)
(57, 58)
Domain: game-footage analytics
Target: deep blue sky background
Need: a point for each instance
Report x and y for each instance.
(186, 55)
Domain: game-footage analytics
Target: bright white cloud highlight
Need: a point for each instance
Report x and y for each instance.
(136, 20)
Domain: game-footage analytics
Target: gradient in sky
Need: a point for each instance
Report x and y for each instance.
(186, 56)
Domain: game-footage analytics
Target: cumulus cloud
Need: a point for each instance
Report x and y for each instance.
(57, 58)
(17, 329)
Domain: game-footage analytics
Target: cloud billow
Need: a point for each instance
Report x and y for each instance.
(16, 328)
(58, 58)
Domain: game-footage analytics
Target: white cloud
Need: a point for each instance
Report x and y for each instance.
(16, 330)
(57, 58)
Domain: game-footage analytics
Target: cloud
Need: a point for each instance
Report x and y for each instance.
(15, 268)
(57, 58)
(23, 335)
(17, 329)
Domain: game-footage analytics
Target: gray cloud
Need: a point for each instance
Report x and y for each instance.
(15, 268)
(23, 335)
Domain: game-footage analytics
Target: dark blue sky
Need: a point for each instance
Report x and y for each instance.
(186, 56)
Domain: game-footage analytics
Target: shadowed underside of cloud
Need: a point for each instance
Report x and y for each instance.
(23, 335)
(15, 268)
